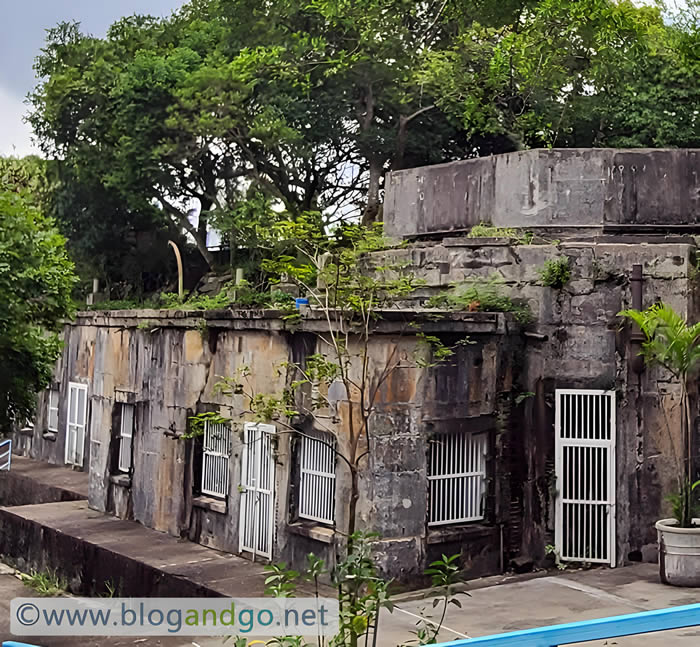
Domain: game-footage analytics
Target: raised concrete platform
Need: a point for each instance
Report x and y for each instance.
(30, 481)
(91, 550)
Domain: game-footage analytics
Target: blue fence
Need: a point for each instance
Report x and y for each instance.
(5, 454)
(599, 629)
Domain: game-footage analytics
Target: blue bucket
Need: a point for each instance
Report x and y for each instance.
(301, 302)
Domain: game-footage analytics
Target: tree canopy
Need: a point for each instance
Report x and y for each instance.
(36, 279)
(304, 106)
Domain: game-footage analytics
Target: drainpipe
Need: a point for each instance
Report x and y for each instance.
(636, 335)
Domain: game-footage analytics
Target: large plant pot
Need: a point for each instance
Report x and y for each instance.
(679, 553)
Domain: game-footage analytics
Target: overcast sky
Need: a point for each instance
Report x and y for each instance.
(22, 30)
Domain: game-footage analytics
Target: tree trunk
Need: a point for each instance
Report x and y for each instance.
(375, 177)
(184, 222)
(354, 497)
(203, 220)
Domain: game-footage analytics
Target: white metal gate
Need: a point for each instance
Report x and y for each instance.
(585, 470)
(76, 422)
(257, 522)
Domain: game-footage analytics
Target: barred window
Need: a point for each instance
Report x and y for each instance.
(216, 446)
(126, 432)
(317, 459)
(457, 478)
(52, 414)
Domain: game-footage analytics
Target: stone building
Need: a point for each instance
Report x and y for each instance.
(538, 432)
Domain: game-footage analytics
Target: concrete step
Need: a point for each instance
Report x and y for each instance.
(30, 481)
(93, 551)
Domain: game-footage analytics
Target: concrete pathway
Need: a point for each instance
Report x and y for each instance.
(511, 606)
(553, 599)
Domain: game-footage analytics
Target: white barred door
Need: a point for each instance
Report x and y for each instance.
(585, 470)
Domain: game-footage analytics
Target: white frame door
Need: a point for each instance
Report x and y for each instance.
(585, 426)
(76, 423)
(256, 528)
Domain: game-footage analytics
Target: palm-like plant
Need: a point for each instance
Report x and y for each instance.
(672, 343)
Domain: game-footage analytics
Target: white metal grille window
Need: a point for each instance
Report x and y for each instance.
(317, 477)
(215, 459)
(126, 433)
(457, 478)
(52, 418)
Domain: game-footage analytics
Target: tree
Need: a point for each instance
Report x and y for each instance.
(674, 345)
(36, 279)
(309, 104)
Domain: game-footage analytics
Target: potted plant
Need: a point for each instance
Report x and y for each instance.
(673, 344)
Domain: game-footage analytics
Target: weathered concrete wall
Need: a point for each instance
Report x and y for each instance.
(577, 341)
(569, 189)
(169, 364)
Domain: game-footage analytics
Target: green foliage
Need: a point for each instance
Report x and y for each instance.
(258, 110)
(197, 423)
(685, 504)
(485, 230)
(111, 590)
(282, 582)
(669, 340)
(481, 295)
(672, 343)
(36, 280)
(45, 583)
(550, 549)
(119, 304)
(445, 591)
(264, 407)
(362, 594)
(230, 296)
(439, 351)
(521, 397)
(556, 272)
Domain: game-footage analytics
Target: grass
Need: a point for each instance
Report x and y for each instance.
(241, 296)
(485, 230)
(45, 583)
(482, 295)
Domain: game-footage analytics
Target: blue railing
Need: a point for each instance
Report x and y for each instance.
(599, 629)
(5, 454)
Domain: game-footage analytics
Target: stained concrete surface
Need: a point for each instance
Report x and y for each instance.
(90, 548)
(554, 599)
(515, 605)
(11, 587)
(31, 481)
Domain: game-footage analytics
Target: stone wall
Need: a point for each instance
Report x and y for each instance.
(560, 189)
(576, 340)
(168, 365)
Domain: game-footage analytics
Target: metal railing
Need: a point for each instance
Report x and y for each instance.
(599, 629)
(5, 455)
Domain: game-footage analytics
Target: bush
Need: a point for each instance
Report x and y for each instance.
(482, 295)
(556, 272)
